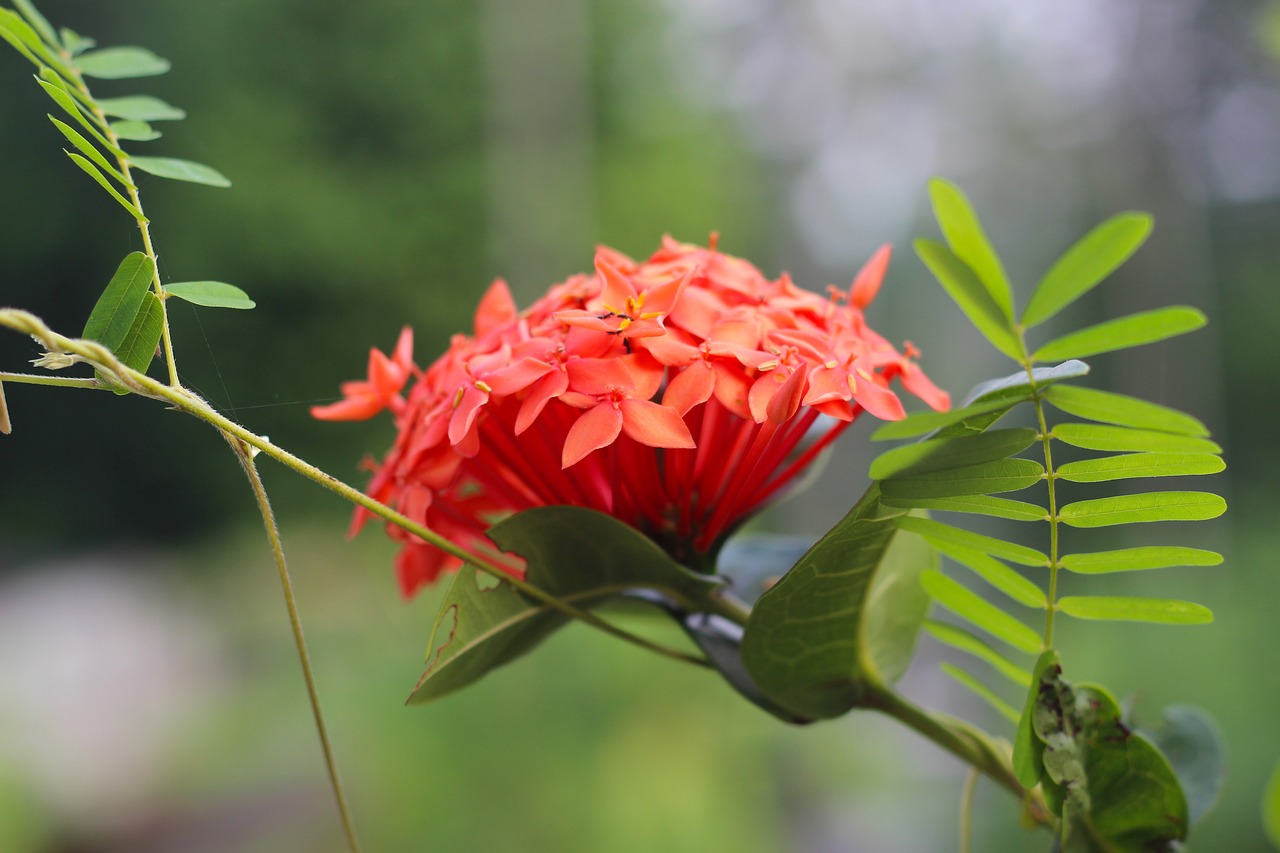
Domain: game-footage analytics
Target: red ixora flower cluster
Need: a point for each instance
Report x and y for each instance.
(679, 395)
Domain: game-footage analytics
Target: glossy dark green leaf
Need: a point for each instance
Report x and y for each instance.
(1122, 410)
(211, 294)
(940, 534)
(966, 238)
(118, 63)
(977, 504)
(180, 170)
(1131, 465)
(1119, 439)
(1147, 327)
(979, 612)
(1135, 800)
(1190, 741)
(1148, 506)
(952, 452)
(1004, 475)
(120, 304)
(959, 638)
(981, 690)
(1133, 609)
(1028, 749)
(1138, 559)
(998, 575)
(140, 108)
(93, 172)
(581, 556)
(134, 131)
(139, 345)
(1094, 257)
(812, 643)
(88, 149)
(968, 292)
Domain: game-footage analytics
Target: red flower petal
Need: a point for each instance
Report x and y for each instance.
(496, 309)
(867, 284)
(691, 387)
(597, 428)
(654, 425)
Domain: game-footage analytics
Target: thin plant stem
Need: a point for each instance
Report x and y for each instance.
(58, 381)
(1051, 480)
(962, 740)
(186, 401)
(245, 455)
(966, 811)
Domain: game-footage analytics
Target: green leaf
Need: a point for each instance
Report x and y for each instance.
(1190, 741)
(135, 131)
(925, 422)
(1138, 559)
(140, 342)
(845, 616)
(75, 43)
(958, 638)
(581, 556)
(952, 452)
(1004, 475)
(1016, 388)
(1134, 330)
(977, 610)
(89, 150)
(964, 235)
(92, 171)
(964, 287)
(37, 20)
(1094, 257)
(52, 86)
(940, 535)
(180, 170)
(211, 294)
(1028, 749)
(978, 504)
(981, 690)
(998, 575)
(1114, 438)
(1112, 787)
(1132, 609)
(1130, 465)
(120, 304)
(1148, 506)
(140, 108)
(118, 63)
(19, 34)
(1122, 410)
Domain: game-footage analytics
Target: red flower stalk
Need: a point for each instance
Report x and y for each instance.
(679, 395)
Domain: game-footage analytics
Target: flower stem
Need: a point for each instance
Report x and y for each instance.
(962, 740)
(245, 455)
(59, 381)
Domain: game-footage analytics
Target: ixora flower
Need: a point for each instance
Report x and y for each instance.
(680, 395)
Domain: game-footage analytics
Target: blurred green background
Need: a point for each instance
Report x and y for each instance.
(389, 159)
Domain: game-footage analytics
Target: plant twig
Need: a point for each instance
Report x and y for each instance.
(245, 455)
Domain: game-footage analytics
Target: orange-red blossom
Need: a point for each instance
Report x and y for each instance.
(679, 395)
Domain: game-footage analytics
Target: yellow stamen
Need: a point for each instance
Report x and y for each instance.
(625, 322)
(832, 364)
(853, 384)
(863, 373)
(457, 398)
(483, 386)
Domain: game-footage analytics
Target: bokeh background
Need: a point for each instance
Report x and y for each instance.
(390, 158)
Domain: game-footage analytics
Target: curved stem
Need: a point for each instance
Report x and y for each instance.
(245, 455)
(184, 400)
(58, 381)
(966, 811)
(962, 740)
